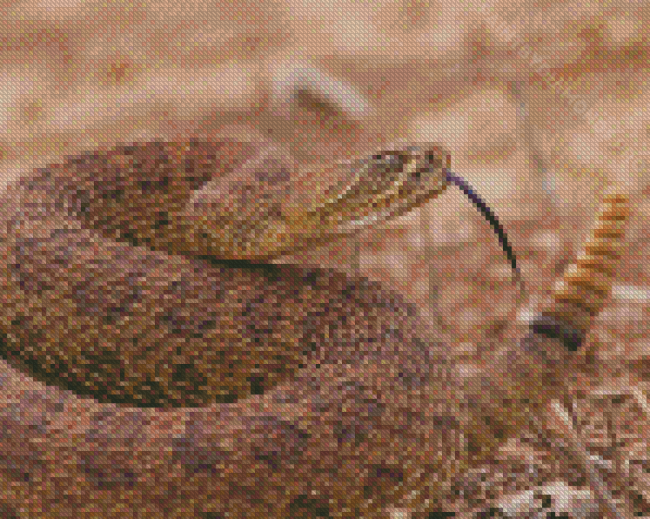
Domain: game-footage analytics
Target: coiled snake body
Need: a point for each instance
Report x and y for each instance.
(177, 384)
(150, 372)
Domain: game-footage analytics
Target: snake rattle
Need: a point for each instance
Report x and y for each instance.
(111, 290)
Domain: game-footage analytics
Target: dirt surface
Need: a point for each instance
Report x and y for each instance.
(541, 105)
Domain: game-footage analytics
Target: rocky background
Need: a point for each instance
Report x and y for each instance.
(542, 104)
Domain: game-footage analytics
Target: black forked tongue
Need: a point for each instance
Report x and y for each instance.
(487, 213)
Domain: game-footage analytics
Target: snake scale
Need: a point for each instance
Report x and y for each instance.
(159, 366)
(280, 377)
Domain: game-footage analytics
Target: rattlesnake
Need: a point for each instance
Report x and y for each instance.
(164, 382)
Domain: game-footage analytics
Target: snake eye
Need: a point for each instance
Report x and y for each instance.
(375, 176)
(387, 168)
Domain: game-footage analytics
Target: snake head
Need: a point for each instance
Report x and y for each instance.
(375, 189)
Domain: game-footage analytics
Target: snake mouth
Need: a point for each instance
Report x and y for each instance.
(376, 189)
(385, 185)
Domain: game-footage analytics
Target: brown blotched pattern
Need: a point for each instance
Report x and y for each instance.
(171, 386)
(132, 192)
(115, 305)
(246, 201)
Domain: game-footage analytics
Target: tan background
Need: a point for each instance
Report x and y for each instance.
(542, 103)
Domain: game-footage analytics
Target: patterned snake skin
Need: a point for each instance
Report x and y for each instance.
(341, 402)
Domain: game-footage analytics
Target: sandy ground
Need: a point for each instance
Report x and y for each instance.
(542, 105)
